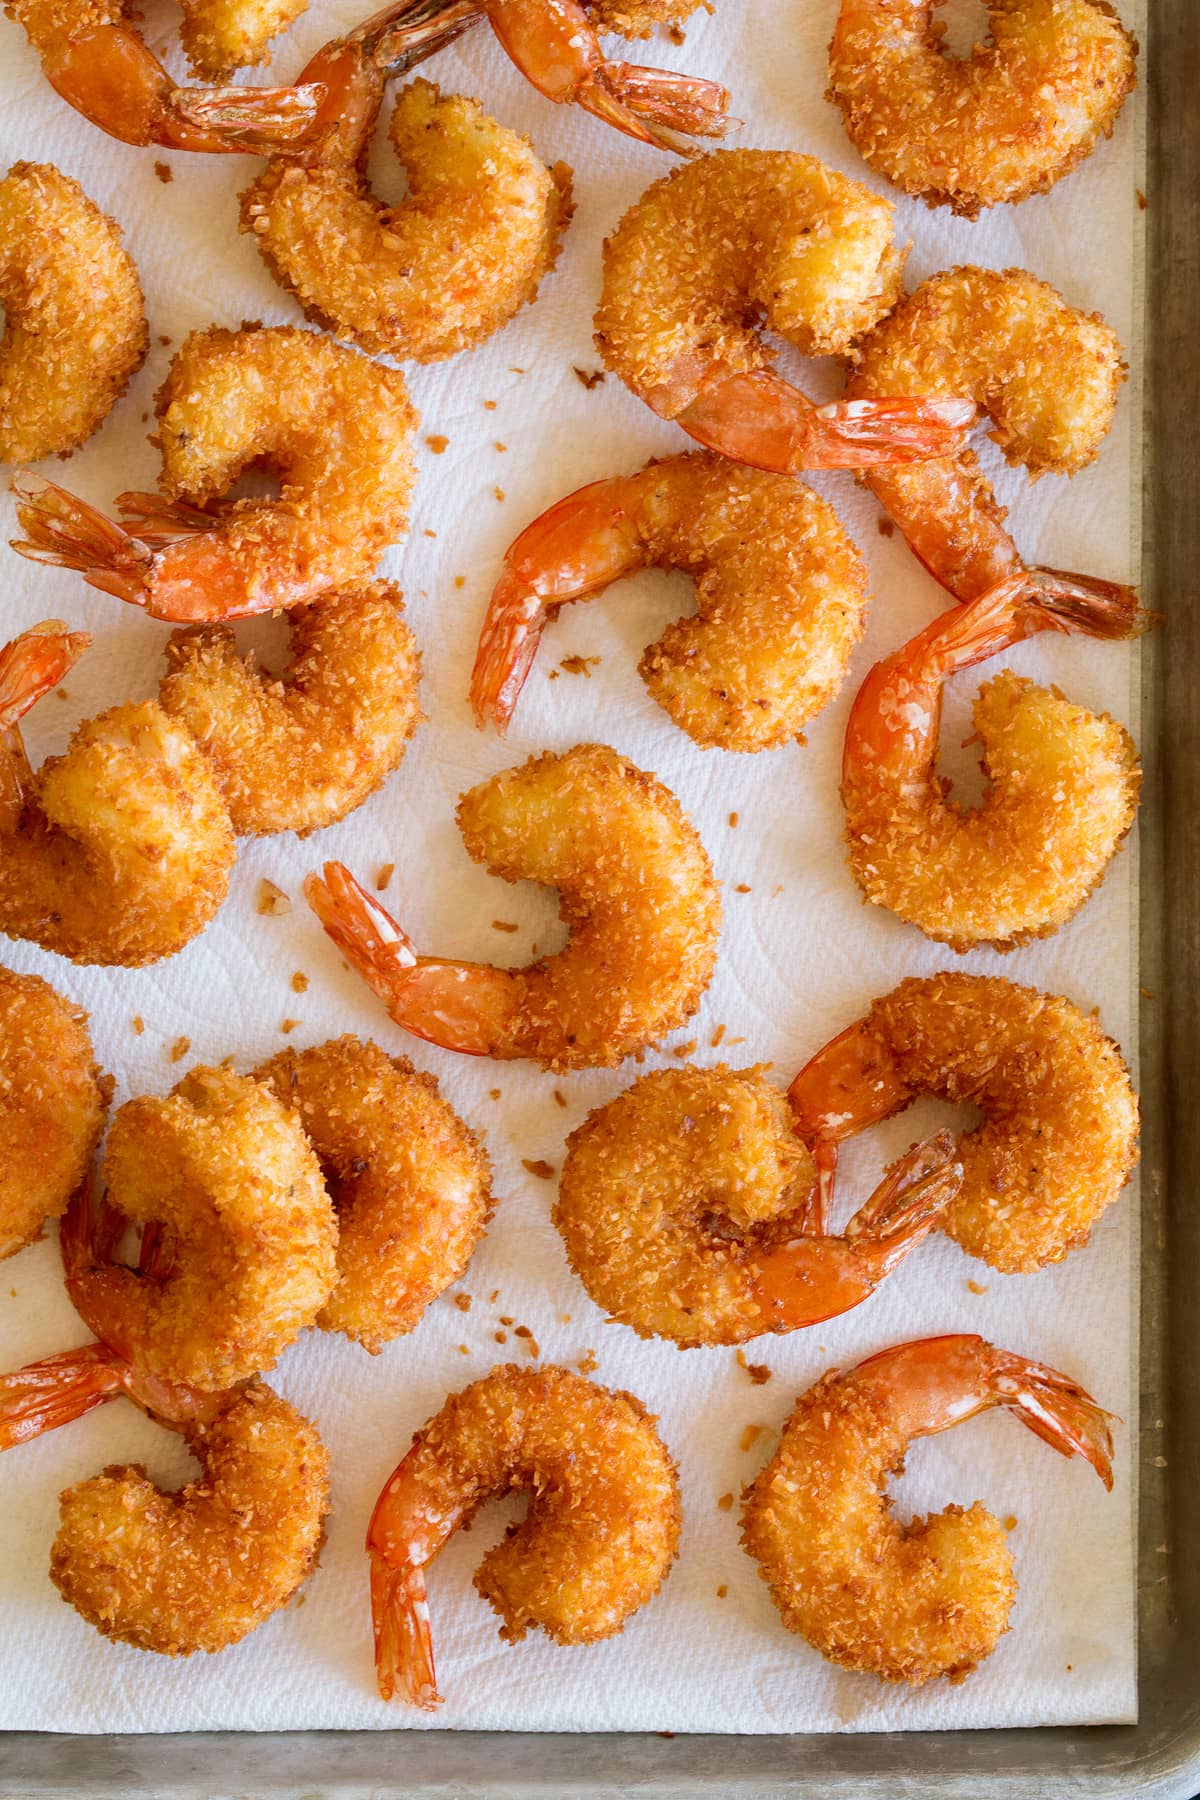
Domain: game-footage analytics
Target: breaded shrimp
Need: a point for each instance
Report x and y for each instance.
(410, 1183)
(1064, 783)
(1008, 121)
(1058, 1139)
(637, 892)
(780, 596)
(301, 750)
(743, 237)
(74, 318)
(597, 1543)
(447, 266)
(119, 850)
(1046, 374)
(338, 430)
(683, 1205)
(918, 1601)
(53, 1099)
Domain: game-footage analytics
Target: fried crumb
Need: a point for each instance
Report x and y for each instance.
(501, 1337)
(560, 1097)
(489, 406)
(776, 890)
(62, 693)
(505, 1319)
(725, 1503)
(383, 878)
(758, 1372)
(499, 446)
(743, 887)
(735, 1040)
(529, 1341)
(165, 172)
(272, 899)
(437, 443)
(463, 1351)
(733, 819)
(588, 1363)
(463, 1302)
(287, 1025)
(499, 493)
(716, 1037)
(1141, 200)
(138, 1024)
(885, 527)
(164, 340)
(504, 925)
(977, 1287)
(429, 533)
(683, 1051)
(543, 1170)
(300, 982)
(495, 1293)
(722, 1591)
(460, 581)
(553, 675)
(579, 665)
(750, 1436)
(179, 1049)
(590, 377)
(1011, 1522)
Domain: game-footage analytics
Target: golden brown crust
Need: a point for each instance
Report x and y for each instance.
(222, 35)
(637, 18)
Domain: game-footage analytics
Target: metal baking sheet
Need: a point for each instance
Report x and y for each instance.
(1160, 1755)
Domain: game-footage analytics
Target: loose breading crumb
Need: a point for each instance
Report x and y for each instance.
(272, 900)
(179, 1049)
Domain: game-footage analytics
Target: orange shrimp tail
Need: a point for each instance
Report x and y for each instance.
(657, 106)
(52, 1392)
(363, 930)
(403, 1642)
(508, 644)
(34, 663)
(1085, 603)
(760, 419)
(1056, 1409)
(405, 33)
(157, 520)
(259, 121)
(908, 1204)
(68, 533)
(90, 1230)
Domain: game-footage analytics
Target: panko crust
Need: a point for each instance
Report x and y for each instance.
(222, 35)
(75, 329)
(199, 1569)
(410, 1183)
(53, 1101)
(637, 18)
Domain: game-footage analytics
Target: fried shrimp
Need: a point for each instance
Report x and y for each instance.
(1059, 1133)
(451, 263)
(337, 428)
(1046, 374)
(780, 596)
(296, 752)
(53, 1099)
(1063, 791)
(597, 1543)
(684, 1202)
(75, 321)
(905, 1602)
(743, 236)
(1006, 122)
(410, 1183)
(119, 850)
(637, 893)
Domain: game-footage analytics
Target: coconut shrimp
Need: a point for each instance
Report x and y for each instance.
(1008, 121)
(410, 1183)
(75, 321)
(94, 56)
(637, 893)
(1058, 1138)
(53, 1099)
(445, 268)
(597, 1543)
(119, 850)
(683, 1205)
(780, 596)
(337, 428)
(747, 235)
(1064, 782)
(932, 1598)
(1048, 377)
(295, 752)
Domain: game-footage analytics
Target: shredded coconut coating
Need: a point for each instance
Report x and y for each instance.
(637, 18)
(410, 1183)
(1008, 121)
(74, 319)
(222, 35)
(198, 1569)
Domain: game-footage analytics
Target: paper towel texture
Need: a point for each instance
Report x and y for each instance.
(800, 958)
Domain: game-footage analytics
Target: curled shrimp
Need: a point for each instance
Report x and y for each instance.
(337, 428)
(741, 236)
(637, 892)
(75, 321)
(1058, 1138)
(301, 750)
(53, 1099)
(684, 1202)
(597, 1543)
(780, 596)
(94, 56)
(908, 1603)
(1008, 121)
(410, 1182)
(1045, 373)
(119, 850)
(1063, 792)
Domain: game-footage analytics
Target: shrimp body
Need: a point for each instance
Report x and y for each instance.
(295, 752)
(684, 1202)
(932, 1598)
(75, 321)
(780, 595)
(1060, 1118)
(410, 1182)
(637, 893)
(53, 1099)
(1047, 376)
(338, 430)
(1006, 122)
(741, 236)
(445, 268)
(1063, 792)
(119, 850)
(597, 1543)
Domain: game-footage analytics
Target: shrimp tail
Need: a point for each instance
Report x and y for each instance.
(758, 418)
(1088, 604)
(657, 106)
(90, 1230)
(363, 930)
(34, 663)
(256, 120)
(158, 520)
(508, 644)
(52, 1392)
(405, 33)
(908, 1204)
(69, 534)
(403, 1642)
(1056, 1409)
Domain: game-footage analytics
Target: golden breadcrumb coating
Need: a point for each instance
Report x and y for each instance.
(637, 18)
(222, 35)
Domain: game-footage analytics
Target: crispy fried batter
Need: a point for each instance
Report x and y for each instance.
(222, 35)
(637, 18)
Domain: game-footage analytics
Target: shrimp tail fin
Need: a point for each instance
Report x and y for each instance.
(68, 533)
(256, 120)
(508, 644)
(52, 1392)
(403, 1642)
(657, 106)
(908, 1204)
(34, 663)
(363, 930)
(90, 1230)
(758, 418)
(405, 33)
(158, 520)
(1085, 603)
(856, 434)
(1056, 1409)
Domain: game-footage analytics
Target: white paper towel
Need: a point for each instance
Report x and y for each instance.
(800, 958)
